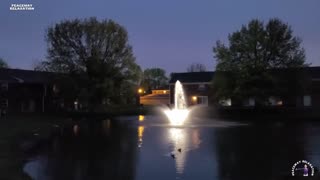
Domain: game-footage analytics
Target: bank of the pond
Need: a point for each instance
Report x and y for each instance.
(259, 114)
(18, 135)
(113, 112)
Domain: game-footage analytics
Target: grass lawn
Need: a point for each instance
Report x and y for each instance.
(12, 132)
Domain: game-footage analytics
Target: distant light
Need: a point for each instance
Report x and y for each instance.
(194, 98)
(76, 102)
(140, 90)
(141, 117)
(164, 91)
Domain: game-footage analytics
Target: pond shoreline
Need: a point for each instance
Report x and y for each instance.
(259, 115)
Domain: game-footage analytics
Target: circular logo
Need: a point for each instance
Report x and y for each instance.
(302, 168)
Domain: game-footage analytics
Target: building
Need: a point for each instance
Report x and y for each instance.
(197, 88)
(27, 91)
(157, 97)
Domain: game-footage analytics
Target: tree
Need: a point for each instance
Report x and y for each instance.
(154, 78)
(196, 67)
(3, 63)
(251, 57)
(95, 53)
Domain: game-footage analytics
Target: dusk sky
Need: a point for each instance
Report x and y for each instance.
(166, 34)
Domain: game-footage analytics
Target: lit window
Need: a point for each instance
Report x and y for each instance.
(279, 103)
(275, 101)
(307, 100)
(225, 102)
(55, 89)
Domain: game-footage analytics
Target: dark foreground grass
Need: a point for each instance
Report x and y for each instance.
(13, 131)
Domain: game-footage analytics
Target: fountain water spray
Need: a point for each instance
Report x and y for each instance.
(179, 113)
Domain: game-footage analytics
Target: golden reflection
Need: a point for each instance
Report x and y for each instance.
(140, 135)
(141, 118)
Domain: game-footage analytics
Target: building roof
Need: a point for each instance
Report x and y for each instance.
(24, 76)
(314, 71)
(162, 88)
(155, 96)
(206, 77)
(192, 77)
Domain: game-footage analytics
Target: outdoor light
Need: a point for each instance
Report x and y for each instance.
(141, 117)
(164, 92)
(194, 98)
(140, 90)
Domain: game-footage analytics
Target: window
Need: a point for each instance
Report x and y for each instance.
(202, 87)
(203, 100)
(4, 103)
(4, 86)
(307, 100)
(249, 102)
(275, 101)
(225, 102)
(55, 88)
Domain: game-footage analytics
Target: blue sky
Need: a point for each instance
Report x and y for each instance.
(167, 34)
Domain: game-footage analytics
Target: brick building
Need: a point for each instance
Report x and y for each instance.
(302, 88)
(196, 86)
(28, 91)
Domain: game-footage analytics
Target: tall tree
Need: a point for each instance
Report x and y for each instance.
(196, 67)
(154, 78)
(3, 63)
(97, 53)
(245, 66)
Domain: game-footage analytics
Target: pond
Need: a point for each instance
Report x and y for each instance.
(148, 147)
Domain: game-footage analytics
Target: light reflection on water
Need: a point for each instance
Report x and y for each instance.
(180, 141)
(139, 148)
(184, 141)
(140, 135)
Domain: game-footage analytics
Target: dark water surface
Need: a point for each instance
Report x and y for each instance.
(141, 148)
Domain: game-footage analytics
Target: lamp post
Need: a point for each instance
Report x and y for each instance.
(140, 91)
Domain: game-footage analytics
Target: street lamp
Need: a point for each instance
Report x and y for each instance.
(140, 91)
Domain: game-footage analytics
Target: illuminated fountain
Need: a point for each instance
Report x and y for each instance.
(179, 113)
